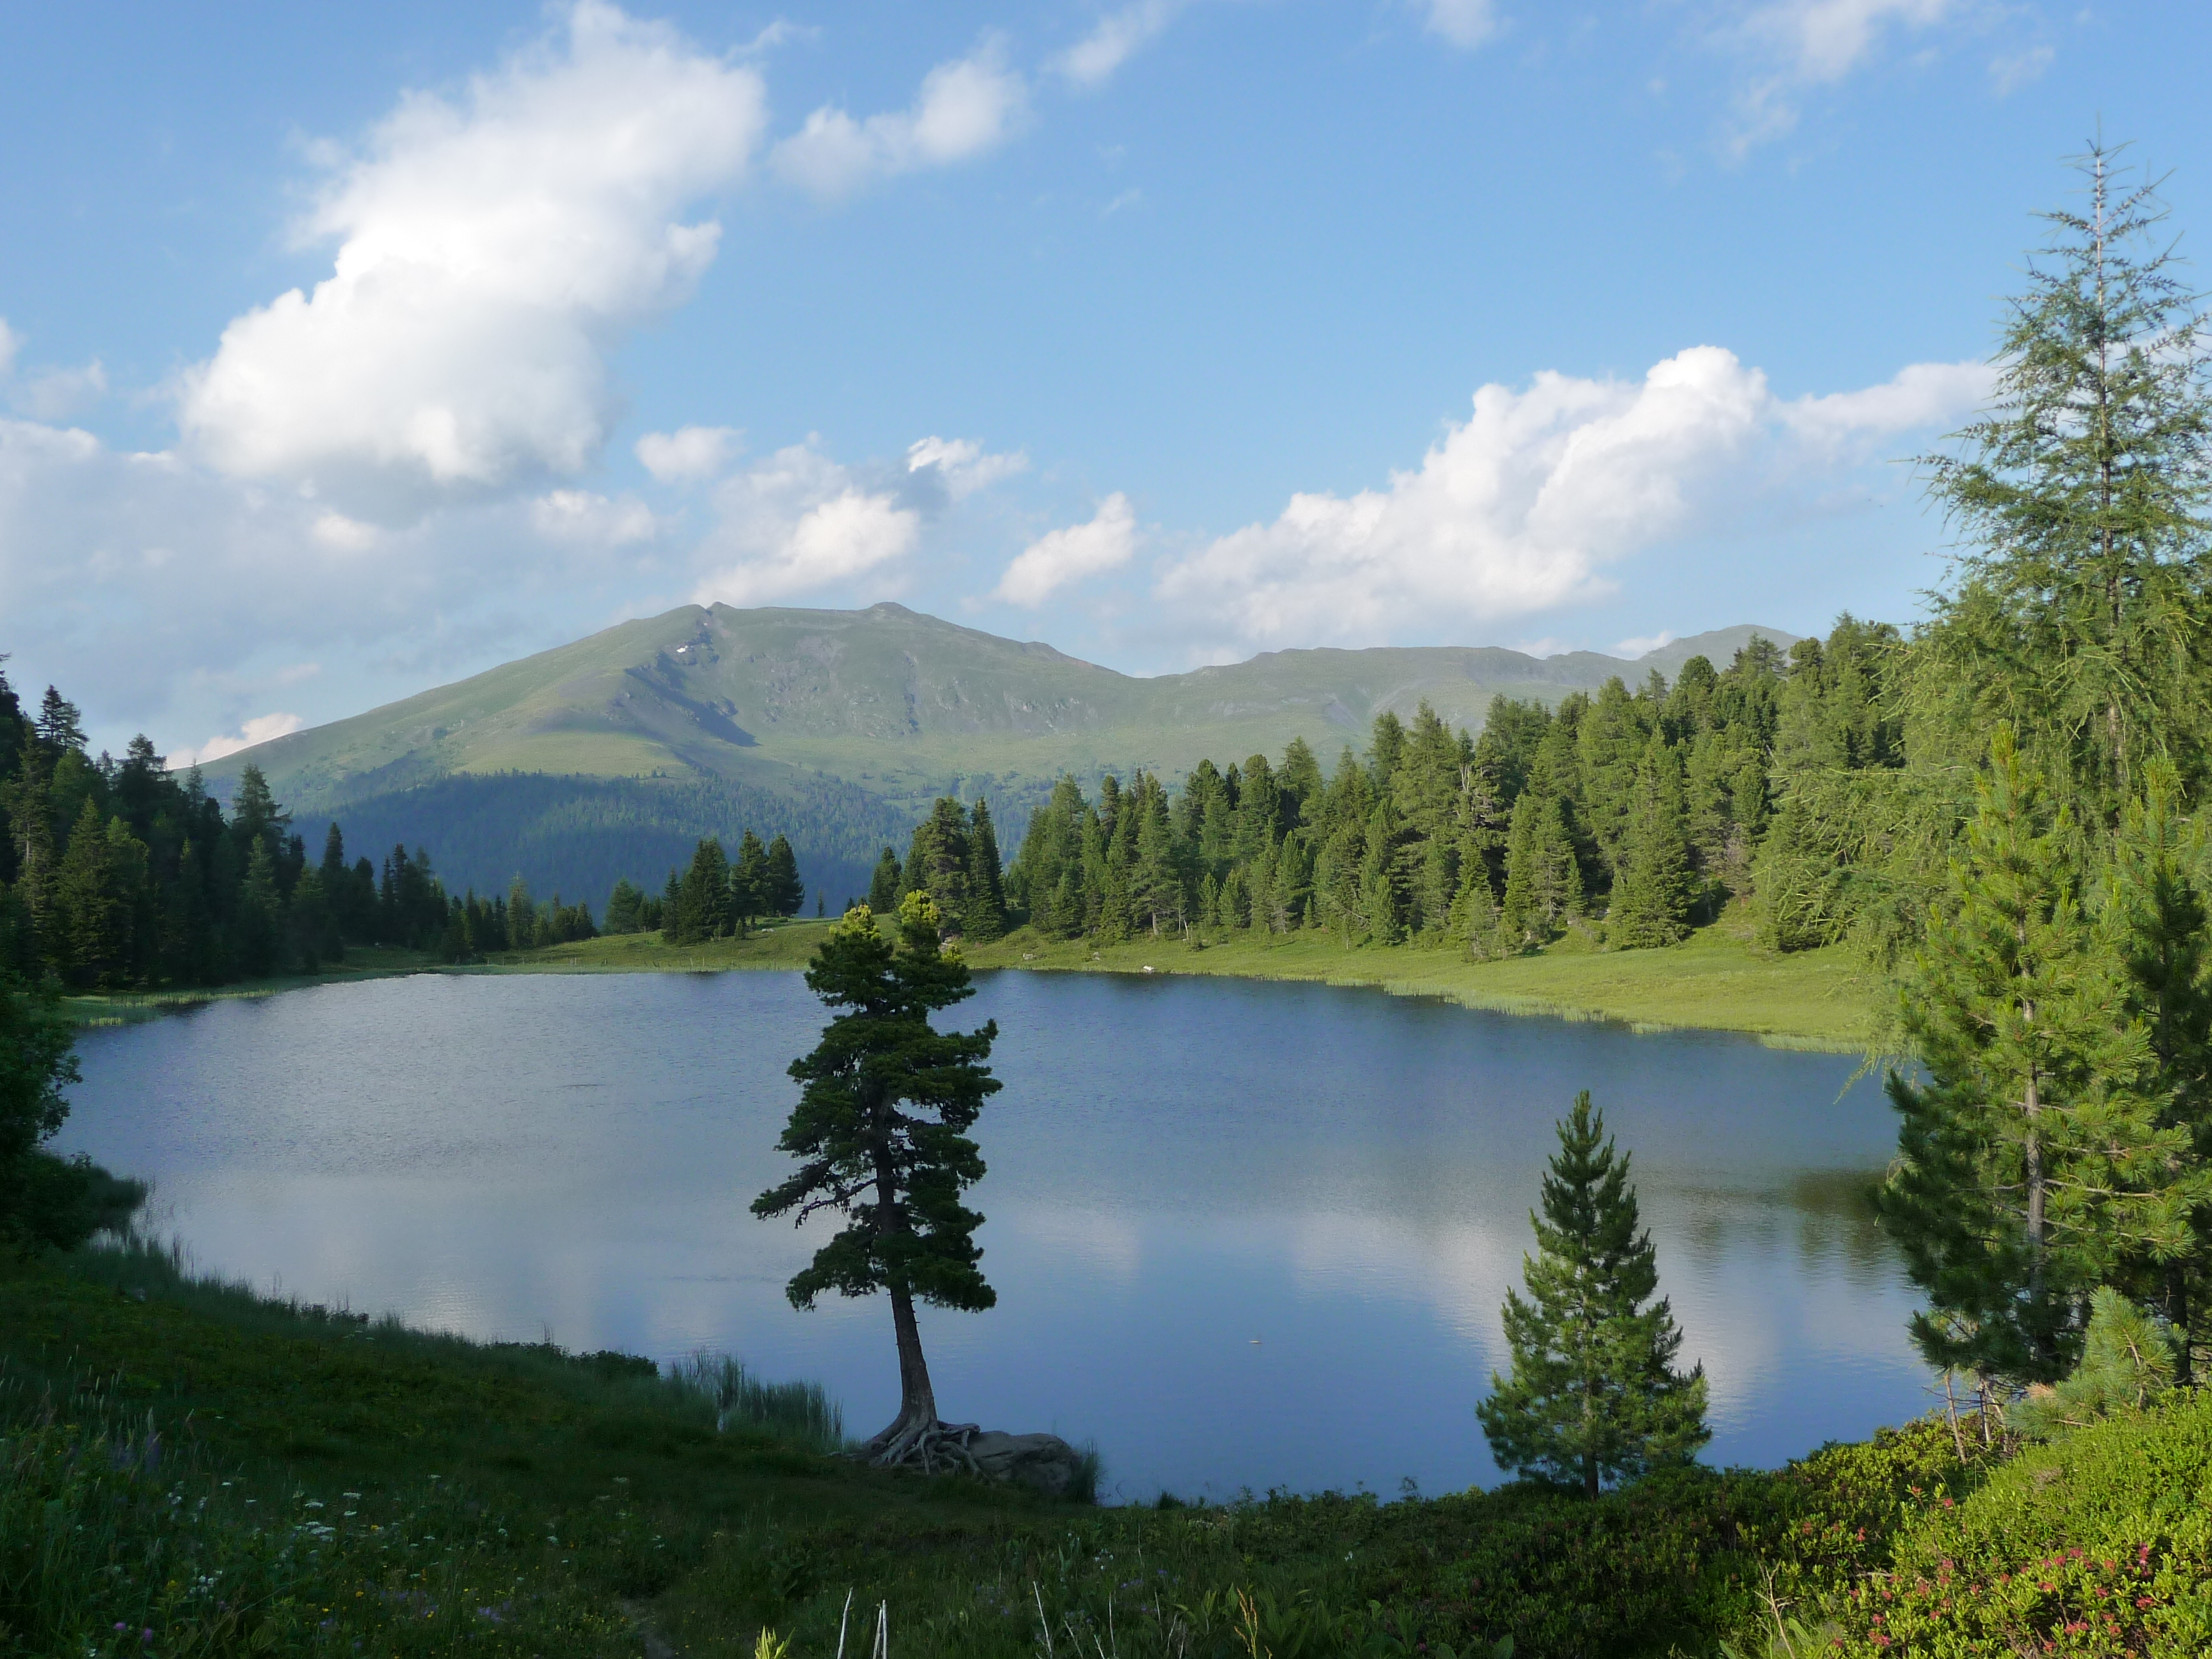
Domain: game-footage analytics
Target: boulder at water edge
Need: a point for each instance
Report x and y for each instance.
(1043, 1461)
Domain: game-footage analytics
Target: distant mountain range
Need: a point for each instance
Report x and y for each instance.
(613, 755)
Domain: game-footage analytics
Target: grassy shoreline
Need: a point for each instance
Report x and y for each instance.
(1717, 980)
(189, 1467)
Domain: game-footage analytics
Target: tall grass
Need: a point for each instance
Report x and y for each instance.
(709, 1390)
(802, 1413)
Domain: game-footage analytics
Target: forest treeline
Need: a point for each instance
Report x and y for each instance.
(1636, 814)
(118, 875)
(715, 896)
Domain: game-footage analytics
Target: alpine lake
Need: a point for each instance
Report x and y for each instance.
(1245, 1235)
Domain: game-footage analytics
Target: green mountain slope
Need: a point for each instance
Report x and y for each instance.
(840, 723)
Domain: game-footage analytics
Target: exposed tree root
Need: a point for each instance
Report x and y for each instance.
(932, 1447)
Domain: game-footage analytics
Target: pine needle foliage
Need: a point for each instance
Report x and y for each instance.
(2038, 1156)
(881, 1130)
(1593, 1398)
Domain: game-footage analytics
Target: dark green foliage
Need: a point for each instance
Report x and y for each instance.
(2035, 1161)
(705, 905)
(1488, 842)
(1653, 893)
(985, 918)
(1593, 1398)
(36, 1063)
(881, 1128)
(625, 912)
(883, 885)
(782, 892)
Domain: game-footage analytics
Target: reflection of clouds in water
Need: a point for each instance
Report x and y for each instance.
(1745, 1313)
(1109, 1245)
(1349, 1177)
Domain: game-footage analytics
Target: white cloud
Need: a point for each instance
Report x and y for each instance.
(963, 464)
(1054, 560)
(579, 515)
(343, 535)
(2013, 70)
(260, 729)
(965, 108)
(1919, 395)
(1522, 508)
(1634, 647)
(1092, 61)
(491, 249)
(690, 454)
(10, 343)
(797, 522)
(1462, 23)
(1812, 43)
(57, 393)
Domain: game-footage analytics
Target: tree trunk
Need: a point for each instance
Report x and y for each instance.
(917, 1401)
(2032, 1158)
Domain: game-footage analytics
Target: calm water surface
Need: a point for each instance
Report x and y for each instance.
(1243, 1235)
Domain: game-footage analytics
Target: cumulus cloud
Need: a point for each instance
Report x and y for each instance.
(690, 454)
(1522, 508)
(965, 108)
(1092, 61)
(491, 249)
(1804, 44)
(56, 394)
(1106, 542)
(10, 343)
(1462, 23)
(1919, 395)
(580, 515)
(962, 464)
(798, 522)
(260, 729)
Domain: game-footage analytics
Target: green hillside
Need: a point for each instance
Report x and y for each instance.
(837, 726)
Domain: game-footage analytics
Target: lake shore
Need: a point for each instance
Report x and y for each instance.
(1717, 980)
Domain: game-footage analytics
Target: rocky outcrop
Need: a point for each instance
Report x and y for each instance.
(1044, 1462)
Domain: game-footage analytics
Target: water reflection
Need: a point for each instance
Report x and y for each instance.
(1219, 1213)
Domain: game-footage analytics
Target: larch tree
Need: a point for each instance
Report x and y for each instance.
(2084, 611)
(881, 1131)
(1594, 1397)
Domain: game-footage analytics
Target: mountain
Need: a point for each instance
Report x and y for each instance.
(613, 755)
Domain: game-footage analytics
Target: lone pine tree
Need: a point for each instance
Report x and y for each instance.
(1594, 1395)
(881, 1131)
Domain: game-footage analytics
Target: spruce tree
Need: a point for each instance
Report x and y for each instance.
(883, 885)
(881, 1131)
(986, 917)
(1543, 883)
(785, 891)
(751, 885)
(1594, 1397)
(1651, 897)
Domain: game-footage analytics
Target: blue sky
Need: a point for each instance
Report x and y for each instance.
(351, 351)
